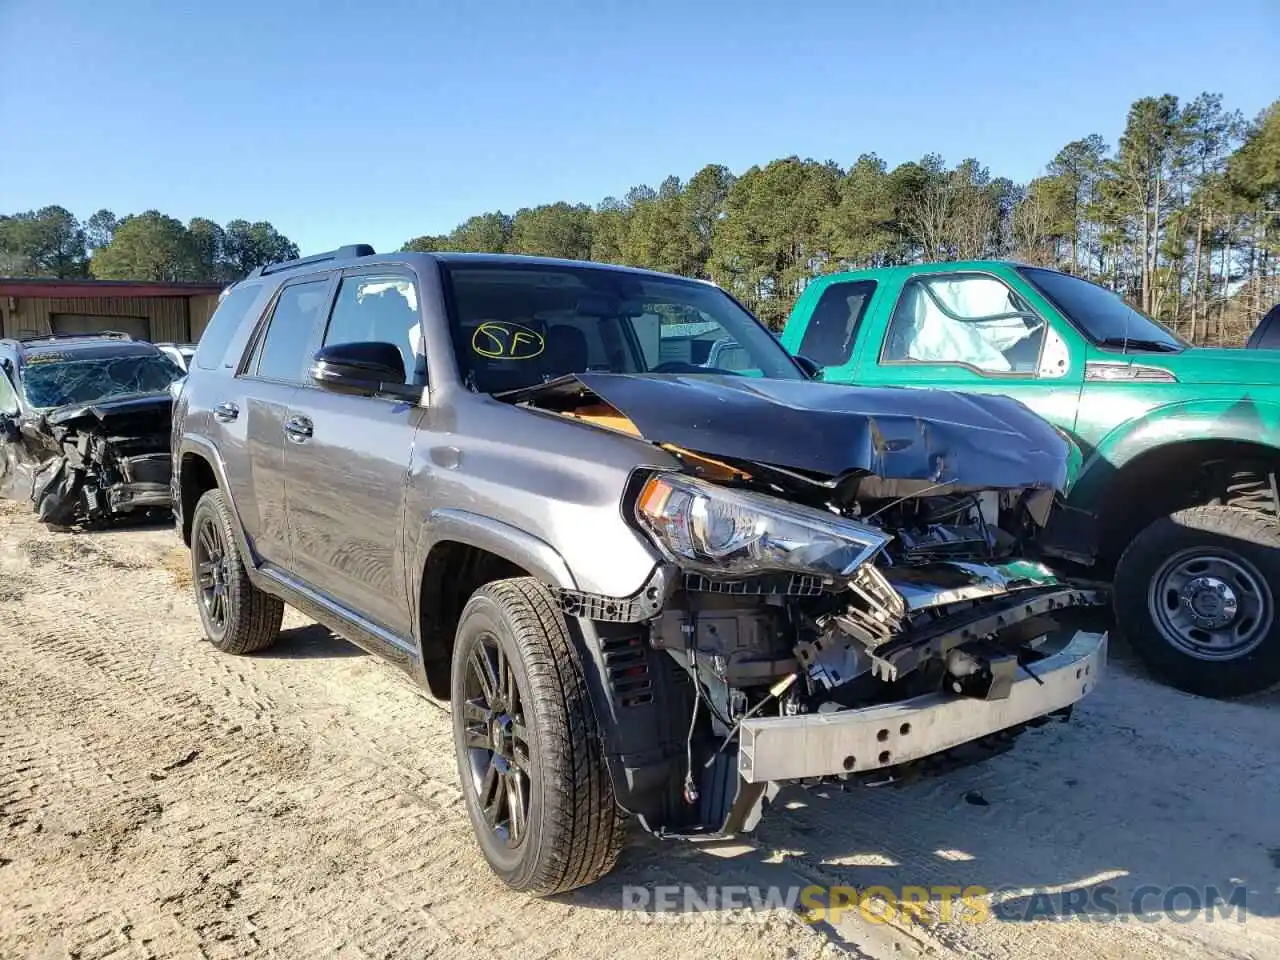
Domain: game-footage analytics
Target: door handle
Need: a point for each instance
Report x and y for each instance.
(226, 412)
(298, 429)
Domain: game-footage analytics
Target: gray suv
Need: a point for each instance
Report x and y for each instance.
(654, 582)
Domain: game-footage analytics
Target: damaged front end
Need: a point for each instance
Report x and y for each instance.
(862, 600)
(90, 463)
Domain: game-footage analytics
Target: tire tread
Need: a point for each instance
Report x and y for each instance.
(582, 832)
(254, 616)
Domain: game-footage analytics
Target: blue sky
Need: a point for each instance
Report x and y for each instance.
(379, 121)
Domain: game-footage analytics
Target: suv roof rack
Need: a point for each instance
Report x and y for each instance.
(349, 252)
(54, 337)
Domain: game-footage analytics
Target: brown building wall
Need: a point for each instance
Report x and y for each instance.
(201, 308)
(168, 317)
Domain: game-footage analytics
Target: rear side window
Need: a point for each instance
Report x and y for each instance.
(833, 327)
(281, 353)
(222, 326)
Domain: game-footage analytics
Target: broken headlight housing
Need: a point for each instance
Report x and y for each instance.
(723, 532)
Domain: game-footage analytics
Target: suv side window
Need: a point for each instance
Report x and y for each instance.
(222, 326)
(382, 308)
(833, 326)
(973, 320)
(281, 352)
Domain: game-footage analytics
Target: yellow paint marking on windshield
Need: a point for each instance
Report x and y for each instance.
(503, 340)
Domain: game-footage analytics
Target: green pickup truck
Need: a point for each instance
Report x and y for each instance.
(1176, 499)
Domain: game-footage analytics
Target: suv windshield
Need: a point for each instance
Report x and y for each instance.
(58, 380)
(1102, 315)
(516, 325)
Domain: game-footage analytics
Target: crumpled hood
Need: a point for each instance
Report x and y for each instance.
(896, 433)
(104, 410)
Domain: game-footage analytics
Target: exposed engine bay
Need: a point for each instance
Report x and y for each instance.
(90, 463)
(797, 592)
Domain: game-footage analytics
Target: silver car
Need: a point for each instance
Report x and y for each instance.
(651, 587)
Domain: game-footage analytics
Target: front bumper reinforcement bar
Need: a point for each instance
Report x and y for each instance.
(870, 738)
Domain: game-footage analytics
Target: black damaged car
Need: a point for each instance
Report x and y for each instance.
(84, 426)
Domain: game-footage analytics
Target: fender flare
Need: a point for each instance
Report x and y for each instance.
(502, 539)
(1241, 420)
(209, 453)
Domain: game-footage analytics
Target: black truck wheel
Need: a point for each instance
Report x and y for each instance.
(529, 756)
(237, 616)
(1195, 596)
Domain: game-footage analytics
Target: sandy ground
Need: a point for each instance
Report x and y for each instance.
(159, 799)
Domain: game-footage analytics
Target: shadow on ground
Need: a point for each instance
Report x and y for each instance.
(309, 642)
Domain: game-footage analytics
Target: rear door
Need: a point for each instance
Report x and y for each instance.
(267, 382)
(347, 458)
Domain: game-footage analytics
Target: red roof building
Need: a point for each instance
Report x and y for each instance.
(160, 312)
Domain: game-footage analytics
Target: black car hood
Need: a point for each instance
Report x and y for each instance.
(104, 410)
(896, 433)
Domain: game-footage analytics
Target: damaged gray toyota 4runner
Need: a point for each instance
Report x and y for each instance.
(84, 427)
(650, 587)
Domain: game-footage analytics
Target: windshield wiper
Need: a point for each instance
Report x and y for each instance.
(1138, 343)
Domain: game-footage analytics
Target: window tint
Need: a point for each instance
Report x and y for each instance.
(833, 327)
(222, 326)
(1101, 314)
(282, 353)
(8, 399)
(515, 326)
(378, 308)
(972, 320)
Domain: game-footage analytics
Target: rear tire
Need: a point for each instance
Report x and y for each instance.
(237, 616)
(1196, 598)
(533, 773)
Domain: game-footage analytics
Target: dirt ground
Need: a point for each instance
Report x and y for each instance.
(159, 799)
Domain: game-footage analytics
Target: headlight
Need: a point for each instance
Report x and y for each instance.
(726, 532)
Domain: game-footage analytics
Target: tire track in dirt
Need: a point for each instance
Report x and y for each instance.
(159, 798)
(305, 801)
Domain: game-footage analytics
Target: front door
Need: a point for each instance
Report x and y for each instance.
(347, 459)
(972, 332)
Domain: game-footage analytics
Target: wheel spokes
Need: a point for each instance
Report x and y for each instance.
(492, 795)
(484, 674)
(515, 804)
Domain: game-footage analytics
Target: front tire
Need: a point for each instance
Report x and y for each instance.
(237, 617)
(533, 774)
(1196, 598)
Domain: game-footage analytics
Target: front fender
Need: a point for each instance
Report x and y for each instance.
(209, 453)
(511, 543)
(1242, 419)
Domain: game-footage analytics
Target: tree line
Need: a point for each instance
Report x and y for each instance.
(1181, 216)
(52, 242)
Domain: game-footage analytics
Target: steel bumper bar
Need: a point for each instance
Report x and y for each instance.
(849, 741)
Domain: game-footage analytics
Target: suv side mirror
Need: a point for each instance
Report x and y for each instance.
(363, 368)
(812, 368)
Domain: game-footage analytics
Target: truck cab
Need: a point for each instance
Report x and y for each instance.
(1180, 443)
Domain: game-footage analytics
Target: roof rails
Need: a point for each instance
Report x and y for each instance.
(54, 337)
(350, 251)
